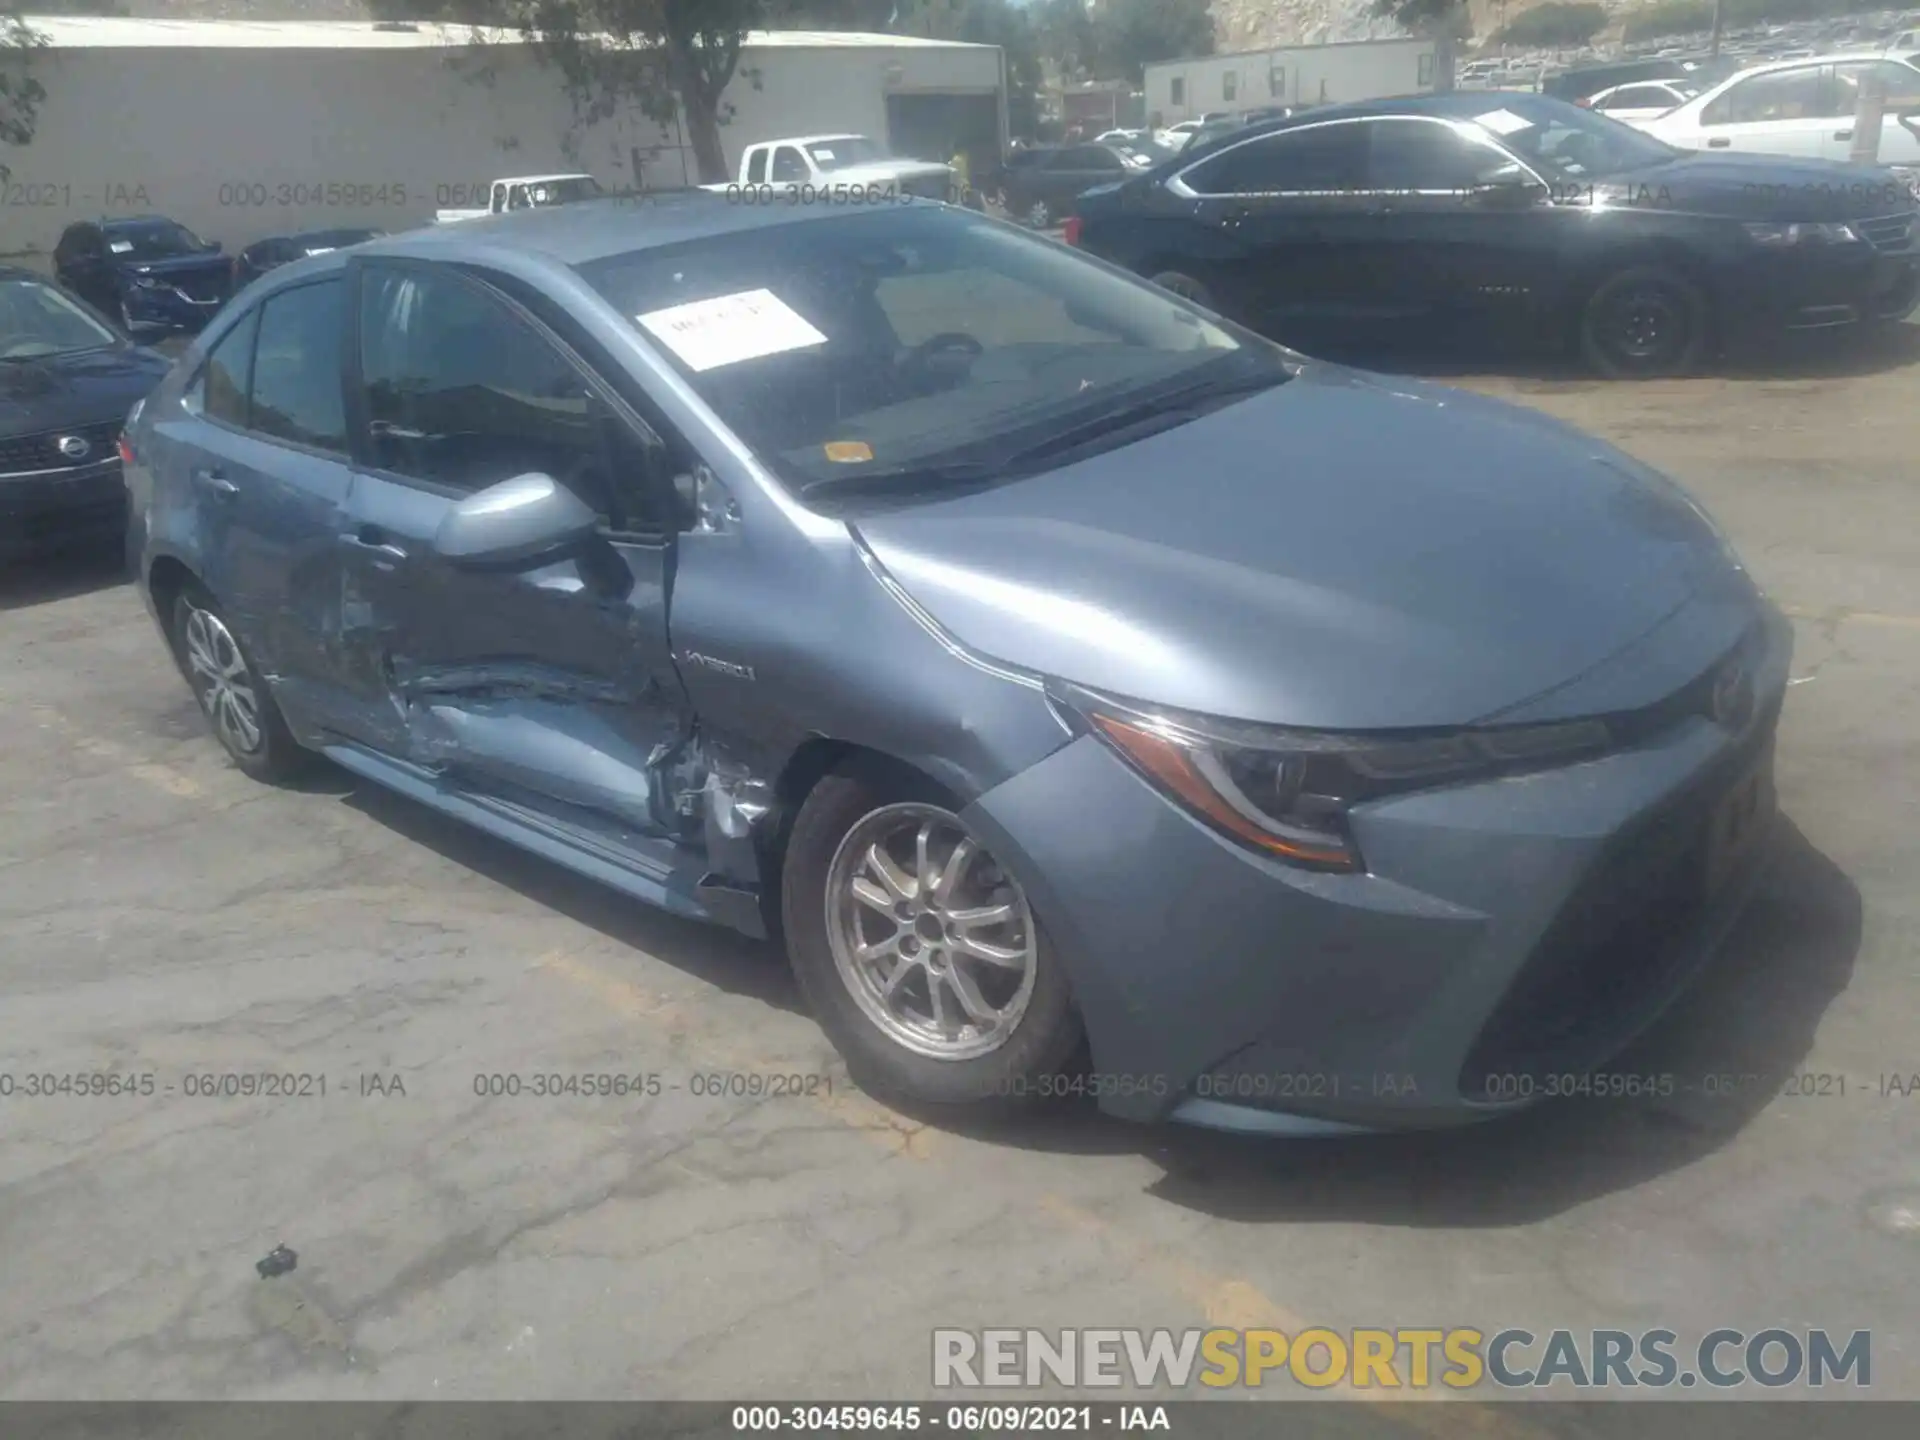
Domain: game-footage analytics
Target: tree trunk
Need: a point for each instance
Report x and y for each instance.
(703, 134)
(1444, 47)
(1868, 118)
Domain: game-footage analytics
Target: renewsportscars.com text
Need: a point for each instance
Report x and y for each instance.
(1415, 1359)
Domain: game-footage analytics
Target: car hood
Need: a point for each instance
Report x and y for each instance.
(1347, 551)
(94, 387)
(1755, 187)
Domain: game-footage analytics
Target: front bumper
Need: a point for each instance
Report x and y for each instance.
(1831, 288)
(40, 511)
(1508, 932)
(170, 308)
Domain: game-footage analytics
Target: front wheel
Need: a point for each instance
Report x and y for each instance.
(918, 953)
(1645, 323)
(1187, 288)
(1039, 215)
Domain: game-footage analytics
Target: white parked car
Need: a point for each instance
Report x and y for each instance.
(1117, 137)
(527, 192)
(1642, 100)
(832, 164)
(1803, 108)
(1175, 137)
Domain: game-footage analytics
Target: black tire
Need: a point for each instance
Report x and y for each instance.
(1042, 1042)
(1187, 288)
(274, 755)
(1648, 322)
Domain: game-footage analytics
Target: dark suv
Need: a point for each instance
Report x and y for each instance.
(150, 273)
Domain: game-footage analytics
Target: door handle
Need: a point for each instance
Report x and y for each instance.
(1719, 144)
(373, 540)
(217, 482)
(1843, 134)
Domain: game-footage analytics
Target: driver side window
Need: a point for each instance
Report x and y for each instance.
(463, 393)
(1787, 95)
(788, 166)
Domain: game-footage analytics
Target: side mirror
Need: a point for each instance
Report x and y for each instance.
(527, 520)
(1513, 191)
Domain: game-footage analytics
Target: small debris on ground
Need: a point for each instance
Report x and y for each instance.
(278, 1261)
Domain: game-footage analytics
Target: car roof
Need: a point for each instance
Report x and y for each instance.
(815, 139)
(1800, 62)
(542, 179)
(131, 222)
(590, 230)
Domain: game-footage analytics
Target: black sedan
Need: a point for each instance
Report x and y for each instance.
(1041, 191)
(150, 273)
(1511, 220)
(68, 380)
(264, 255)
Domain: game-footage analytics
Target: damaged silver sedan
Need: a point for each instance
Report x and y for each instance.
(1060, 672)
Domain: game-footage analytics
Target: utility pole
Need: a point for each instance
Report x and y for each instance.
(1719, 17)
(1868, 117)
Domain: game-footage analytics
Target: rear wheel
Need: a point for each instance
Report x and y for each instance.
(1645, 323)
(1039, 215)
(232, 696)
(918, 953)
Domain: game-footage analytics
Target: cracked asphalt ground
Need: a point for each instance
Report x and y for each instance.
(161, 914)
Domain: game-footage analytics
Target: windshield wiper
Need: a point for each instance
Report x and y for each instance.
(1161, 412)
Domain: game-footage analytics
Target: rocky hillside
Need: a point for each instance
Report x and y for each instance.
(1255, 24)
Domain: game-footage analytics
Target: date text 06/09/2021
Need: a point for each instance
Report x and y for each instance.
(952, 1419)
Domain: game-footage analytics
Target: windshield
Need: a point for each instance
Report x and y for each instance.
(36, 320)
(565, 192)
(1565, 142)
(847, 151)
(910, 337)
(153, 240)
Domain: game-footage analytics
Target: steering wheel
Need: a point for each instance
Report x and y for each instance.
(947, 341)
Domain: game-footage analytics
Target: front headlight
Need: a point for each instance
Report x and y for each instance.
(1287, 793)
(1781, 236)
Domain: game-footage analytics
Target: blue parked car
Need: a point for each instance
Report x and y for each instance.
(1042, 659)
(150, 273)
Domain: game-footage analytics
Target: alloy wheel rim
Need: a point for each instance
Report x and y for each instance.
(1039, 215)
(934, 941)
(222, 681)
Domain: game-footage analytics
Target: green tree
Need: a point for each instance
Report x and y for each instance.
(1066, 35)
(670, 59)
(1554, 23)
(20, 89)
(1447, 21)
(1129, 35)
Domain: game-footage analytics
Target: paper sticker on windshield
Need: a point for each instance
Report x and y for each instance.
(1504, 122)
(731, 328)
(121, 247)
(848, 452)
(822, 154)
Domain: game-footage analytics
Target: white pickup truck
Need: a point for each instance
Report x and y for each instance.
(827, 163)
(527, 192)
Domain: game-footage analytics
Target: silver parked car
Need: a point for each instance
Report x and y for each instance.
(1076, 683)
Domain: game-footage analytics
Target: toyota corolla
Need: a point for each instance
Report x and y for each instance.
(1074, 683)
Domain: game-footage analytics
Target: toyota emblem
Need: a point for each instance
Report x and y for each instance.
(74, 447)
(1732, 694)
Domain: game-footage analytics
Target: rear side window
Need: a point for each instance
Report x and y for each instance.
(223, 383)
(296, 369)
(757, 168)
(1328, 157)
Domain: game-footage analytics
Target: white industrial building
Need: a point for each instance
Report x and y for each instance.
(1288, 75)
(240, 130)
